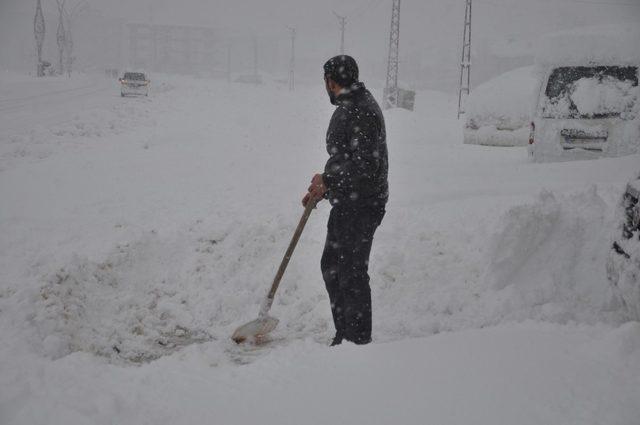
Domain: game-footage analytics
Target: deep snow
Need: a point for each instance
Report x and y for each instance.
(138, 233)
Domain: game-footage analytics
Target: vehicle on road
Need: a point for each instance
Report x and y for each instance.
(134, 83)
(498, 111)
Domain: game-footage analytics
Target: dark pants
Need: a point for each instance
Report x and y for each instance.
(345, 263)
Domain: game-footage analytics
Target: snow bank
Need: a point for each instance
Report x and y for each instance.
(161, 292)
(165, 290)
(606, 44)
(128, 305)
(498, 112)
(547, 261)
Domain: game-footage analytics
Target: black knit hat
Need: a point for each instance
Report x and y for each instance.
(342, 69)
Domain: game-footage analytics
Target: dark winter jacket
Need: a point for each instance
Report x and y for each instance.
(356, 172)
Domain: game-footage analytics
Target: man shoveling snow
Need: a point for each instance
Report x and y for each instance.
(355, 183)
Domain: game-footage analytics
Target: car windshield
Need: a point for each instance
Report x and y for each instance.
(591, 92)
(138, 76)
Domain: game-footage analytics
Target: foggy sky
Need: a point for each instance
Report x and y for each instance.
(430, 35)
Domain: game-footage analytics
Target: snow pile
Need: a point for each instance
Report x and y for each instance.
(498, 112)
(614, 45)
(164, 290)
(130, 305)
(548, 260)
(604, 97)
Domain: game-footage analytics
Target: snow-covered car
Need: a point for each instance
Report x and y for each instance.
(134, 83)
(623, 266)
(498, 112)
(587, 101)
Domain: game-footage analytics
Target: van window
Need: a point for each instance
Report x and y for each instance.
(590, 92)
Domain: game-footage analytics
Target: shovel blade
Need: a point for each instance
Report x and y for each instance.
(255, 330)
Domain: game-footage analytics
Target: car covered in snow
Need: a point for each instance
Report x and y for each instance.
(623, 266)
(498, 112)
(587, 100)
(134, 83)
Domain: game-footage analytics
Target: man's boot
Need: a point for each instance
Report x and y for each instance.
(337, 340)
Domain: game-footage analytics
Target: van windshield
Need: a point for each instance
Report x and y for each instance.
(591, 92)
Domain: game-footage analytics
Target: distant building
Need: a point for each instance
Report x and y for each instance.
(176, 49)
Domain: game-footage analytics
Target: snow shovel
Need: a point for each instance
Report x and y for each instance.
(258, 328)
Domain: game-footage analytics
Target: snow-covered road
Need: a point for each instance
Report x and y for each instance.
(25, 103)
(139, 229)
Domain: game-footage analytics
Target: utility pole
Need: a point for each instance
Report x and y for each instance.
(70, 17)
(292, 61)
(391, 86)
(465, 62)
(68, 50)
(343, 24)
(38, 32)
(61, 36)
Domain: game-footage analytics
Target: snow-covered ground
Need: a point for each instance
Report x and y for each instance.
(138, 233)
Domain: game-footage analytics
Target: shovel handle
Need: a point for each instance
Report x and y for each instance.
(287, 256)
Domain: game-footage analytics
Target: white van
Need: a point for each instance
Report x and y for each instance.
(588, 99)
